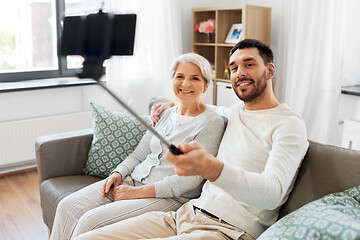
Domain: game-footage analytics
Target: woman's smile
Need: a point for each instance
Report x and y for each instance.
(183, 91)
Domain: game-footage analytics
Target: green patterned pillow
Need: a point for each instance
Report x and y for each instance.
(335, 216)
(116, 135)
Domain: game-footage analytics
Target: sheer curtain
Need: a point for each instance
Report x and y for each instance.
(312, 63)
(146, 74)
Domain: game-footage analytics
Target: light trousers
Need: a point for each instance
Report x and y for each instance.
(184, 224)
(86, 210)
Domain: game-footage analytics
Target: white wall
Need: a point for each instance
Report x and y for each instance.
(21, 109)
(29, 104)
(349, 107)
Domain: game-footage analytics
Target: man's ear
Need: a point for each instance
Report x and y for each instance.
(270, 70)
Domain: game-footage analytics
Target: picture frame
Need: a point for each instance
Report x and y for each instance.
(235, 33)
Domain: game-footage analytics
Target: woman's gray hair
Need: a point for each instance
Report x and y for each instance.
(196, 59)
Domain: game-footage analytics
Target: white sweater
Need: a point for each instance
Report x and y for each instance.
(261, 151)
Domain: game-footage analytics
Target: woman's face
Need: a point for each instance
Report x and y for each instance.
(188, 82)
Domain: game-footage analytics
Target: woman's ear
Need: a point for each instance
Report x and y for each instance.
(270, 70)
(206, 87)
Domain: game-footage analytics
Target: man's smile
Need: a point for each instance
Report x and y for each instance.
(241, 84)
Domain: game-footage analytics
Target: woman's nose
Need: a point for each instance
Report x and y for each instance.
(186, 82)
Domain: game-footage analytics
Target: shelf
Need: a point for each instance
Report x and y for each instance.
(222, 80)
(231, 45)
(204, 44)
(256, 24)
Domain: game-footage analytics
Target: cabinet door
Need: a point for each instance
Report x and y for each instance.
(226, 95)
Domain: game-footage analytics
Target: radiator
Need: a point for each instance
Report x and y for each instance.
(17, 138)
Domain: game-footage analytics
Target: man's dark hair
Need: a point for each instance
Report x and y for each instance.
(264, 50)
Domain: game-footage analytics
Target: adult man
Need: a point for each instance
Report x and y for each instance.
(253, 173)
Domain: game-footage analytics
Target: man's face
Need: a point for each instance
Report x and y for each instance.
(248, 74)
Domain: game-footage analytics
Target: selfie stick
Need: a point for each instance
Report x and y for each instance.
(97, 37)
(172, 148)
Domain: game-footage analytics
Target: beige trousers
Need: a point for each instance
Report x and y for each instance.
(184, 224)
(86, 210)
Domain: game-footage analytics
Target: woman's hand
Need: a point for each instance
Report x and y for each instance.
(113, 180)
(156, 110)
(123, 192)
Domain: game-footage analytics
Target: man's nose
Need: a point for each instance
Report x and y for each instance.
(240, 72)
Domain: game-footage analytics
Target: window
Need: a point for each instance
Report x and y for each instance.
(29, 33)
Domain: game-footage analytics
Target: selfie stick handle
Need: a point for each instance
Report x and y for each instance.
(173, 149)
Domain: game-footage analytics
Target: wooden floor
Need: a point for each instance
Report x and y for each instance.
(20, 212)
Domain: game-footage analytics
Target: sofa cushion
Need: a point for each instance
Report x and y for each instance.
(54, 189)
(335, 216)
(116, 135)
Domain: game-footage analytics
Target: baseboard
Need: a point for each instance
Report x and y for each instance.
(16, 167)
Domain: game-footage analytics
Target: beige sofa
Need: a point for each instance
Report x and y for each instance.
(61, 159)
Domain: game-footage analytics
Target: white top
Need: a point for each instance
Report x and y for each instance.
(148, 164)
(261, 151)
(178, 120)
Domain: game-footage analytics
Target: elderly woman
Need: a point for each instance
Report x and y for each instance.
(146, 181)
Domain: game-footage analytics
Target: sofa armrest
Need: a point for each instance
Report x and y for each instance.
(62, 154)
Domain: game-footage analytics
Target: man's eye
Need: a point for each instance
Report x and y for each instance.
(179, 77)
(233, 69)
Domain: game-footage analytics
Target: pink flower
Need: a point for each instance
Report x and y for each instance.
(206, 26)
(209, 28)
(197, 27)
(212, 21)
(202, 27)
